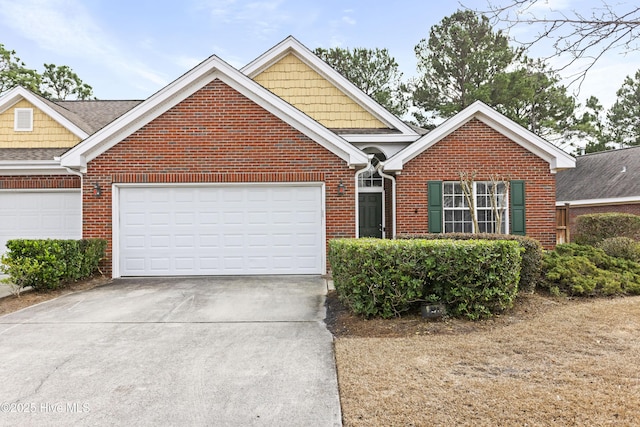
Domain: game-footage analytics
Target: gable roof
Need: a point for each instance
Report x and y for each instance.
(603, 176)
(71, 123)
(557, 158)
(291, 46)
(180, 89)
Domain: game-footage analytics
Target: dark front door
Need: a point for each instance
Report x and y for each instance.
(370, 214)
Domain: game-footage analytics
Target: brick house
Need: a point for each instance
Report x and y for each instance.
(603, 182)
(252, 171)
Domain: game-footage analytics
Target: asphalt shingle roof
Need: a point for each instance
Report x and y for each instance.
(604, 175)
(92, 116)
(14, 154)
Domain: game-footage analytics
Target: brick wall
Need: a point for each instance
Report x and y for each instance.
(39, 182)
(575, 211)
(477, 147)
(217, 135)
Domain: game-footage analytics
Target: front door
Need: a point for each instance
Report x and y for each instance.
(370, 214)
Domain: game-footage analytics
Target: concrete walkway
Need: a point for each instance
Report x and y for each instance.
(188, 351)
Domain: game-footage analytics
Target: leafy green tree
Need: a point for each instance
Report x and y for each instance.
(459, 64)
(591, 127)
(374, 71)
(60, 82)
(465, 60)
(624, 116)
(531, 96)
(13, 72)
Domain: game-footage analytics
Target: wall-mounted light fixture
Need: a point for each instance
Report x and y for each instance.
(341, 189)
(97, 191)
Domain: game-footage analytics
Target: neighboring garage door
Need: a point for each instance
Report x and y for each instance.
(39, 215)
(220, 230)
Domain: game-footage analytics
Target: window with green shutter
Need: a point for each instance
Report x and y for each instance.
(434, 197)
(518, 220)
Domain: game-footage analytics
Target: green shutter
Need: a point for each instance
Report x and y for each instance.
(518, 208)
(435, 206)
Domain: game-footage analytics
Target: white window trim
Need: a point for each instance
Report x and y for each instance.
(16, 112)
(505, 218)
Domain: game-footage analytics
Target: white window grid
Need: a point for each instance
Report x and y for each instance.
(457, 216)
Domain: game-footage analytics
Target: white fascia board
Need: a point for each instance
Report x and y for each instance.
(293, 46)
(598, 202)
(209, 70)
(18, 93)
(557, 158)
(380, 138)
(33, 167)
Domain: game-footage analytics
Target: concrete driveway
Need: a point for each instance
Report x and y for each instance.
(179, 351)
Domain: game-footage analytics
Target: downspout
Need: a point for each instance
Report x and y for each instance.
(81, 175)
(357, 192)
(393, 197)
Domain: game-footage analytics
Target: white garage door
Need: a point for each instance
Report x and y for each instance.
(221, 230)
(39, 215)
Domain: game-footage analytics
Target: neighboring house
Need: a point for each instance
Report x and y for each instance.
(607, 181)
(252, 171)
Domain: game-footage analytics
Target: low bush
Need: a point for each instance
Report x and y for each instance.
(473, 279)
(585, 270)
(531, 257)
(50, 264)
(621, 247)
(594, 228)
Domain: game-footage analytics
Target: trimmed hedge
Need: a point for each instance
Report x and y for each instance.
(585, 270)
(380, 277)
(594, 228)
(530, 274)
(47, 264)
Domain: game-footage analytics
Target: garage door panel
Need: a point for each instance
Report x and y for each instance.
(221, 230)
(40, 215)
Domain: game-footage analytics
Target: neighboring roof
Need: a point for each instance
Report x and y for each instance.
(57, 113)
(177, 91)
(95, 114)
(292, 46)
(606, 175)
(12, 154)
(556, 158)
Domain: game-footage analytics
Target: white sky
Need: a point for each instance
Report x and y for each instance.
(129, 50)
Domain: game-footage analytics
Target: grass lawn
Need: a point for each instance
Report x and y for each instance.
(547, 362)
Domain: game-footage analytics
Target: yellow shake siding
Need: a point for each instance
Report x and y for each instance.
(46, 133)
(302, 87)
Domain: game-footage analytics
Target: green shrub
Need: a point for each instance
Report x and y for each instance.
(584, 270)
(531, 257)
(474, 279)
(621, 247)
(50, 264)
(594, 228)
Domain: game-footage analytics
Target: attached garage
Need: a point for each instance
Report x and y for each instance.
(38, 214)
(169, 230)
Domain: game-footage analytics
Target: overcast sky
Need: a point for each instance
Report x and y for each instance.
(131, 49)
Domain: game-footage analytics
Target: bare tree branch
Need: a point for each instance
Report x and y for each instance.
(581, 38)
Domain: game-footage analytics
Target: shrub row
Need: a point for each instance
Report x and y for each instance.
(50, 264)
(473, 279)
(594, 228)
(585, 270)
(531, 257)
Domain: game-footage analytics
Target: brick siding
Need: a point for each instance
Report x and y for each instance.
(217, 136)
(477, 147)
(34, 182)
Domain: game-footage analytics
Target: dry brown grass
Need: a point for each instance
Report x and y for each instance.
(556, 363)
